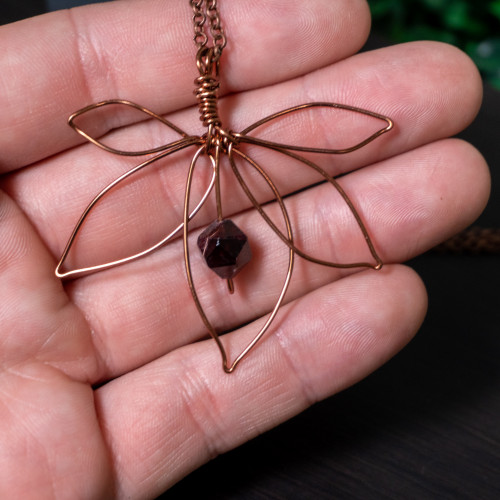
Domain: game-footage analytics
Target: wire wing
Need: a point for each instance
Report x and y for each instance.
(244, 137)
(74, 273)
(288, 150)
(126, 106)
(229, 366)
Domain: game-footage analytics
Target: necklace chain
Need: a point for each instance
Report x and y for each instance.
(204, 10)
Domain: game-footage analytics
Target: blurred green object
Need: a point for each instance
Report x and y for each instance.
(472, 25)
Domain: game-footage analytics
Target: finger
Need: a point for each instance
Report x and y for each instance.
(39, 324)
(146, 54)
(440, 99)
(189, 411)
(45, 417)
(409, 203)
(47, 358)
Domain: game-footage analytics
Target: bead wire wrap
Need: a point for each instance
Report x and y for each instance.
(215, 143)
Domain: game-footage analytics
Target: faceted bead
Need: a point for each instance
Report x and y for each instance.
(225, 248)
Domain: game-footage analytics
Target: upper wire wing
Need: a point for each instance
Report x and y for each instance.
(125, 106)
(244, 137)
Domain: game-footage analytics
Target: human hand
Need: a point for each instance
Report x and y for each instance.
(103, 391)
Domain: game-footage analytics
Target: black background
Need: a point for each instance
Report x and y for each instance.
(425, 426)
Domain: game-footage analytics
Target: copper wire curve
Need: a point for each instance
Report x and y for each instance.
(215, 143)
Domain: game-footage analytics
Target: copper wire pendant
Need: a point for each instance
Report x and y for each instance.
(223, 245)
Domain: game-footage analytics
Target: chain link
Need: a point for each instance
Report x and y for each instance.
(204, 10)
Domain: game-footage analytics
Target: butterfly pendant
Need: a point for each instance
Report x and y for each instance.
(223, 244)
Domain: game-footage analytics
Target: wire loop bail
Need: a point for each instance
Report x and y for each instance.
(207, 61)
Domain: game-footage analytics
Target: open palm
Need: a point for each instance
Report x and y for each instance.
(104, 393)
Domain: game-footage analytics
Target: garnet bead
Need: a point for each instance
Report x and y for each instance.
(225, 248)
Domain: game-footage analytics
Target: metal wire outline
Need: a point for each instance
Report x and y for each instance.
(213, 144)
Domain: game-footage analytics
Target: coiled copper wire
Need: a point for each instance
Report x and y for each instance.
(206, 94)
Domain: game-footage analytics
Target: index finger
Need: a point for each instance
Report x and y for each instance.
(54, 64)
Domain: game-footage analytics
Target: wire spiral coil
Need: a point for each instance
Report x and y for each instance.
(206, 94)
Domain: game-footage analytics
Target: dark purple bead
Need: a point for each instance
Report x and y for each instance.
(225, 248)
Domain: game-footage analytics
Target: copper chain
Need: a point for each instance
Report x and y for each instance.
(204, 10)
(473, 241)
